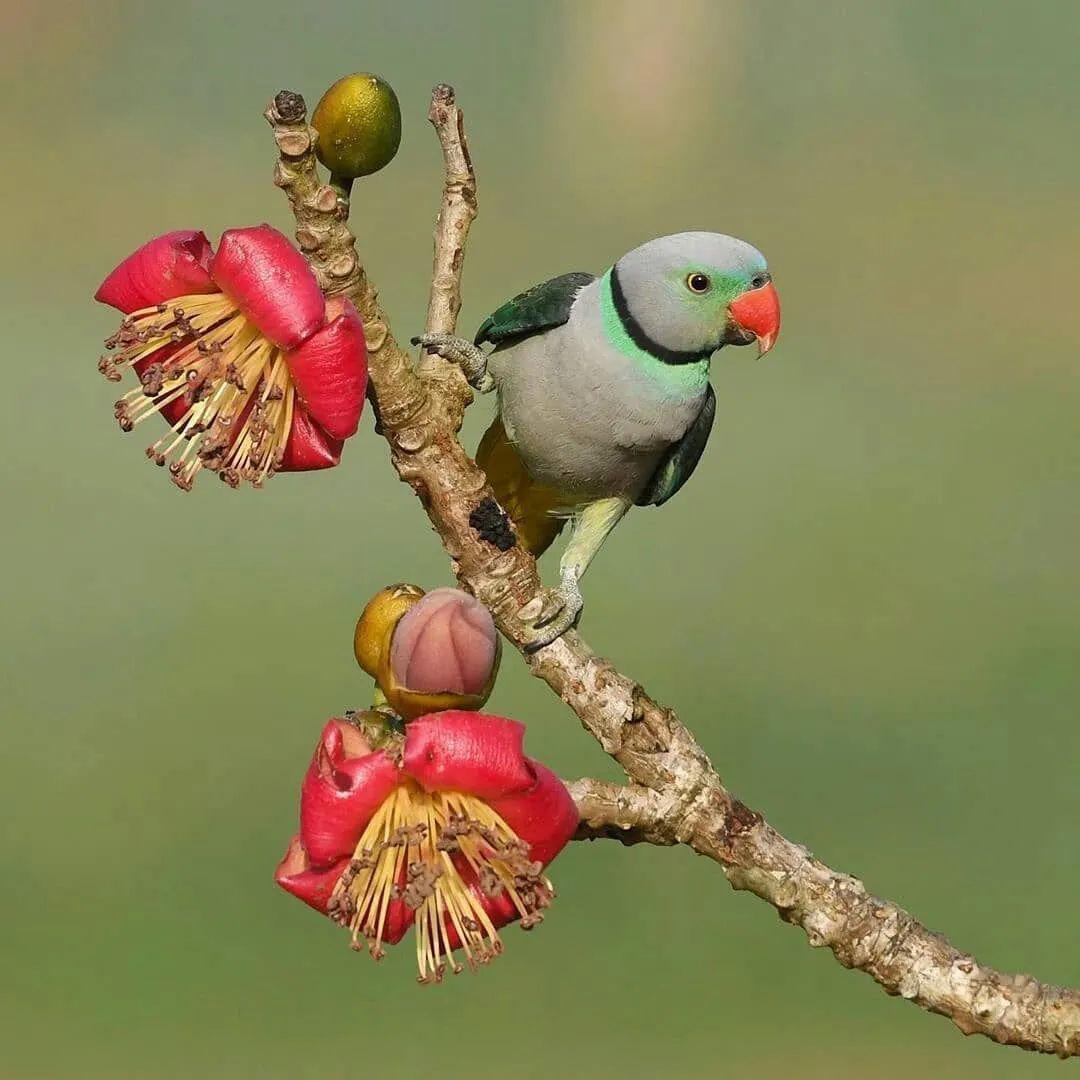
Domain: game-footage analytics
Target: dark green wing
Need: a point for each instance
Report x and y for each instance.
(536, 309)
(681, 459)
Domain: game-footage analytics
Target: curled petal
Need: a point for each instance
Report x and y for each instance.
(445, 643)
(544, 815)
(271, 282)
(330, 371)
(295, 875)
(341, 791)
(308, 446)
(176, 264)
(471, 752)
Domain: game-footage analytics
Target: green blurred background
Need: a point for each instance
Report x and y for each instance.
(867, 603)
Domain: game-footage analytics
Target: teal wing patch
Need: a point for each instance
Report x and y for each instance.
(536, 309)
(681, 459)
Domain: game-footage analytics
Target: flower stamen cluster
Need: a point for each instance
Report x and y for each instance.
(426, 839)
(226, 385)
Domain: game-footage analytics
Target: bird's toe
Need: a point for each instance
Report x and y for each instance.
(557, 612)
(554, 606)
(465, 354)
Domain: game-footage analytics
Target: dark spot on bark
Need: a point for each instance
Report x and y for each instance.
(290, 106)
(739, 819)
(492, 524)
(638, 701)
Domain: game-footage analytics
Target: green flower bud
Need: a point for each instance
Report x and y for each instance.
(359, 124)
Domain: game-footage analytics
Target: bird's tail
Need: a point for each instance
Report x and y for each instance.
(531, 506)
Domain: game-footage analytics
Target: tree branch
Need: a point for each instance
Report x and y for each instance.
(676, 797)
(456, 214)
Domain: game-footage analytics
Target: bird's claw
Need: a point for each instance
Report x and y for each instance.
(556, 612)
(469, 357)
(554, 607)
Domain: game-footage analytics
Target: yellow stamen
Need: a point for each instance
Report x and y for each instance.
(235, 384)
(426, 850)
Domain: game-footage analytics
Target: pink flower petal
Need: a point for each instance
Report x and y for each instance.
(176, 264)
(340, 793)
(271, 282)
(330, 371)
(544, 815)
(308, 446)
(476, 640)
(475, 753)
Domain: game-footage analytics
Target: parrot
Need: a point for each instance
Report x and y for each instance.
(604, 399)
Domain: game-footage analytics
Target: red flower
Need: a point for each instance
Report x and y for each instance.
(256, 372)
(450, 837)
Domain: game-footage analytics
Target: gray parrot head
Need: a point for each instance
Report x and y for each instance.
(689, 293)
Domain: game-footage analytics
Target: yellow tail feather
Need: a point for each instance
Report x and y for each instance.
(531, 506)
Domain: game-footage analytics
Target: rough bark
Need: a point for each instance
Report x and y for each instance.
(675, 795)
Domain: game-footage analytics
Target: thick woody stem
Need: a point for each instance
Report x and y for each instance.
(676, 797)
(324, 237)
(836, 911)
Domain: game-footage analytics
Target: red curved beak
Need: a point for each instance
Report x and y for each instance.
(758, 311)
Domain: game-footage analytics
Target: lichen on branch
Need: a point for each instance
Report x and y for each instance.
(675, 796)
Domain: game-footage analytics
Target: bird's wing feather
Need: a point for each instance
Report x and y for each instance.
(539, 308)
(681, 458)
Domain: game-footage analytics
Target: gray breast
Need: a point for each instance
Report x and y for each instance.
(585, 418)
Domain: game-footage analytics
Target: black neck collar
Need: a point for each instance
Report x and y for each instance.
(640, 338)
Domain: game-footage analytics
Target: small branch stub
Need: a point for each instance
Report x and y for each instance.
(290, 107)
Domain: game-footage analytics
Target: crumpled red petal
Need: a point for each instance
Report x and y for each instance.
(472, 752)
(295, 875)
(340, 794)
(308, 446)
(544, 815)
(330, 371)
(272, 283)
(175, 264)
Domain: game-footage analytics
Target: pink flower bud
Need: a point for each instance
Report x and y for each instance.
(445, 643)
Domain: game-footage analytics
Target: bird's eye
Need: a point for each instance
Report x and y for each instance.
(696, 282)
(759, 281)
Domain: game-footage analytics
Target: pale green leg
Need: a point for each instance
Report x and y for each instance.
(589, 531)
(470, 358)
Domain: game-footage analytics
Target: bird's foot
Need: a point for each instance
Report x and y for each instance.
(552, 613)
(469, 357)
